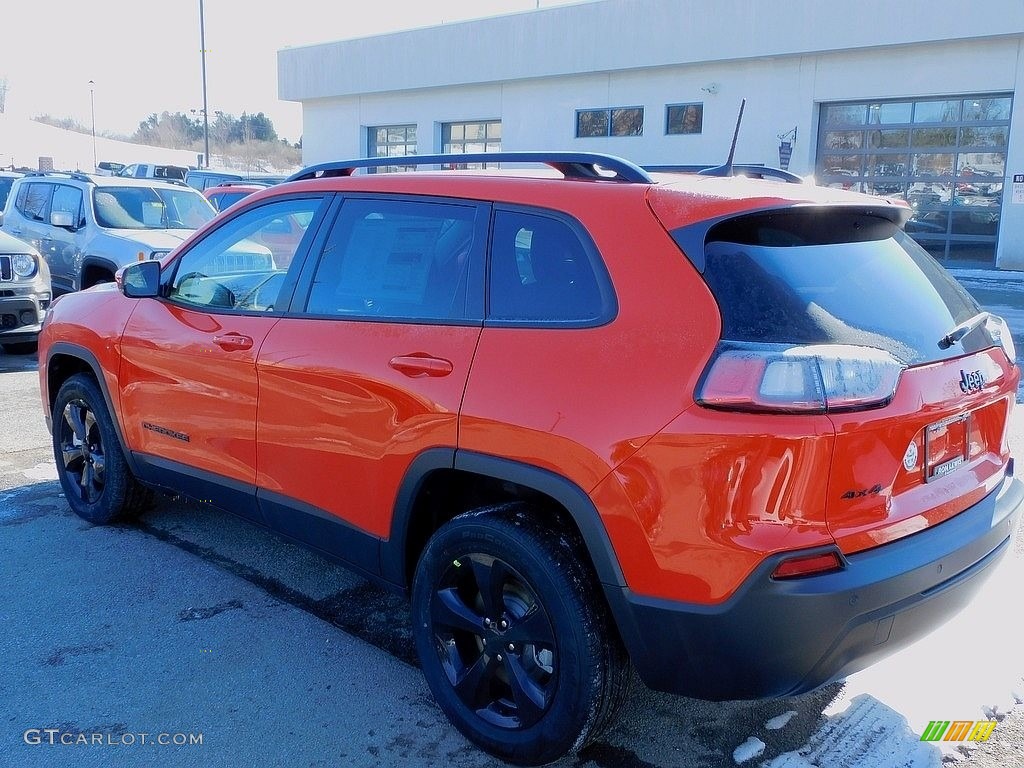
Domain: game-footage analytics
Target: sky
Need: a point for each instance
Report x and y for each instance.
(145, 56)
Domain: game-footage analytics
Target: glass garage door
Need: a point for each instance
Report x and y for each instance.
(945, 156)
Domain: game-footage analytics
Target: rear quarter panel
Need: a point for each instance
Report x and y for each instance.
(579, 402)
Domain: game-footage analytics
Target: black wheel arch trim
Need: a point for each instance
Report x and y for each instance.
(97, 261)
(573, 498)
(392, 552)
(87, 357)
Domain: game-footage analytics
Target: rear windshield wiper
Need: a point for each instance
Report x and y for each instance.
(966, 327)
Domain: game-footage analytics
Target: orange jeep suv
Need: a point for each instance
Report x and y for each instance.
(742, 435)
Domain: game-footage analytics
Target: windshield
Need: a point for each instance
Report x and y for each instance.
(150, 208)
(5, 189)
(834, 278)
(224, 200)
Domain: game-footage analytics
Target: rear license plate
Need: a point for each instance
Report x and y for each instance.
(945, 446)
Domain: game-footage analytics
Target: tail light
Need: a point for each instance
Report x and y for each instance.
(807, 565)
(798, 379)
(1000, 334)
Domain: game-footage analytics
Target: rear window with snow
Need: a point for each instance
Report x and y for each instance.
(834, 277)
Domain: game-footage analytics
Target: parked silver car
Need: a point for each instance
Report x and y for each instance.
(24, 295)
(87, 227)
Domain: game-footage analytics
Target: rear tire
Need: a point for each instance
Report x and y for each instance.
(92, 469)
(513, 637)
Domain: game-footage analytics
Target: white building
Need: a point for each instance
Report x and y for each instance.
(913, 98)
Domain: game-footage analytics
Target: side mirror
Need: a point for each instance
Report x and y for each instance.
(1, 218)
(141, 280)
(62, 219)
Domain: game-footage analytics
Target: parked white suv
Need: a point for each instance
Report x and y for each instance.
(87, 227)
(154, 171)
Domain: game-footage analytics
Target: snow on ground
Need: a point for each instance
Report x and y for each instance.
(24, 141)
(968, 669)
(866, 733)
(780, 722)
(1010, 280)
(748, 750)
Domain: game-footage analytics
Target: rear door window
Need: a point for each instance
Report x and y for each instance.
(542, 270)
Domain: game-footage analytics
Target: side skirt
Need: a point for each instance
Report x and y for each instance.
(297, 521)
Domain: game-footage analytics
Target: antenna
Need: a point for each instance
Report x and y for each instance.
(726, 170)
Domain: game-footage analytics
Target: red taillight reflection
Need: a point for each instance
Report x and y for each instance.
(807, 565)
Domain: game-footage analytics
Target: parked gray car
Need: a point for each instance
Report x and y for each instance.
(86, 227)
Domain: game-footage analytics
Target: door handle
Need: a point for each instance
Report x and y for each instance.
(231, 341)
(14, 231)
(418, 364)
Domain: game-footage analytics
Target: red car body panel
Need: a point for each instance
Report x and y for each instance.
(638, 371)
(714, 495)
(340, 422)
(870, 447)
(193, 373)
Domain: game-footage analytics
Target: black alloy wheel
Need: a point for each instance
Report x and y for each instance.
(81, 448)
(495, 641)
(93, 473)
(514, 636)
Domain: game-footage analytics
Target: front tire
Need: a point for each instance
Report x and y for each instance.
(513, 637)
(92, 469)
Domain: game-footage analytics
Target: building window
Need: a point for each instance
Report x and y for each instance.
(684, 118)
(473, 137)
(391, 141)
(616, 121)
(946, 156)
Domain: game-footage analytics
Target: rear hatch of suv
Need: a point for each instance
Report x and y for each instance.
(835, 310)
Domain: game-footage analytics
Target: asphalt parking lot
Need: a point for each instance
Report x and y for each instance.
(191, 626)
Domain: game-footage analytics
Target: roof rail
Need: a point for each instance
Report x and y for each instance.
(77, 175)
(743, 169)
(245, 183)
(574, 165)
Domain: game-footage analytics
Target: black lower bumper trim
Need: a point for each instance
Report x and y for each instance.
(778, 638)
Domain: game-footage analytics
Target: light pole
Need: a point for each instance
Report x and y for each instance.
(92, 110)
(206, 120)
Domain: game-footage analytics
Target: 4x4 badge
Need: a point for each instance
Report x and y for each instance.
(971, 381)
(873, 491)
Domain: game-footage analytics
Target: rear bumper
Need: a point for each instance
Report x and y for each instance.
(779, 638)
